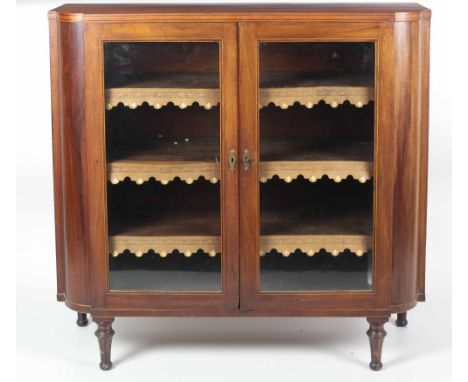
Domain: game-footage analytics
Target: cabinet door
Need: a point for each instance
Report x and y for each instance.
(316, 182)
(162, 99)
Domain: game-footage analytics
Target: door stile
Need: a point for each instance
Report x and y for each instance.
(248, 179)
(230, 178)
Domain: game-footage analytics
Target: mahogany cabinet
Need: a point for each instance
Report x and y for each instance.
(253, 160)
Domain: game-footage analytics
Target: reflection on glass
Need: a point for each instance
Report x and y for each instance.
(162, 143)
(316, 105)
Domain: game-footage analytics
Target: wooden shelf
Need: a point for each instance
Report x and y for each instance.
(180, 89)
(186, 232)
(289, 159)
(288, 231)
(282, 89)
(284, 231)
(187, 159)
(195, 158)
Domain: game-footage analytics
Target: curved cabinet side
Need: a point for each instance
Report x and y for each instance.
(411, 165)
(57, 153)
(71, 163)
(424, 47)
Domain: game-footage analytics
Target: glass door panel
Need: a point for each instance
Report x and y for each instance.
(316, 114)
(163, 165)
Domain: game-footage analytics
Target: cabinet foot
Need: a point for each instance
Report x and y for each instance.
(82, 319)
(104, 334)
(376, 334)
(401, 320)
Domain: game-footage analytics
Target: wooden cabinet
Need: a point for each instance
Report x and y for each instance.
(251, 160)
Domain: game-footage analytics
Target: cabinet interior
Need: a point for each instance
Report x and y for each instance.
(316, 124)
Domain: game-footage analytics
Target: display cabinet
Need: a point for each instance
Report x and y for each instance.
(253, 160)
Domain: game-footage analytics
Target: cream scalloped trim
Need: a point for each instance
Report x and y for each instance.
(334, 251)
(314, 170)
(208, 98)
(164, 252)
(140, 173)
(164, 246)
(313, 177)
(312, 244)
(311, 96)
(157, 98)
(140, 179)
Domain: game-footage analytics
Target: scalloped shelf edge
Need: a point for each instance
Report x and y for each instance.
(140, 179)
(312, 244)
(337, 176)
(182, 104)
(164, 252)
(336, 251)
(309, 104)
(358, 251)
(209, 101)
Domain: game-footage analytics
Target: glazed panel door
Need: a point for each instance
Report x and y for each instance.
(315, 183)
(162, 98)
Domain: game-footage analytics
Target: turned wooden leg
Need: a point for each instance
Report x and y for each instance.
(82, 319)
(376, 335)
(104, 334)
(401, 320)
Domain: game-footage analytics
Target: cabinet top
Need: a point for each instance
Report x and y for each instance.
(240, 12)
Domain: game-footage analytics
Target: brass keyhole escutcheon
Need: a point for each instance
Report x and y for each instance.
(246, 160)
(232, 160)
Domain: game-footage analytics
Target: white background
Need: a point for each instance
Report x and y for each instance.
(50, 345)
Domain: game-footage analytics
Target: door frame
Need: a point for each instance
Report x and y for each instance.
(95, 36)
(251, 33)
